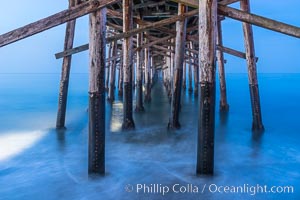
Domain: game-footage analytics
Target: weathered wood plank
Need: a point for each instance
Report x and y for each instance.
(233, 52)
(53, 20)
(69, 52)
(227, 2)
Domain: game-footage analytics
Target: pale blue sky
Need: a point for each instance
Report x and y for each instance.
(277, 53)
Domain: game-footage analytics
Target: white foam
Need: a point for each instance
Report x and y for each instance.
(14, 143)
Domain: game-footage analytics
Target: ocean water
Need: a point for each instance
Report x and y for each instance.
(38, 162)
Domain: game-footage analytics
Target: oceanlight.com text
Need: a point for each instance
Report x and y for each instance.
(210, 188)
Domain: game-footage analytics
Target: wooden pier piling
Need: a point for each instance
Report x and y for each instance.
(190, 67)
(179, 60)
(128, 122)
(139, 75)
(157, 50)
(184, 76)
(221, 67)
(257, 124)
(147, 74)
(196, 69)
(207, 53)
(108, 66)
(112, 78)
(120, 79)
(96, 149)
(65, 74)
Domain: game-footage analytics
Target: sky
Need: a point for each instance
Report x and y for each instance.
(277, 53)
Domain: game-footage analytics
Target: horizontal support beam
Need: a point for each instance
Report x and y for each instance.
(143, 28)
(249, 18)
(53, 20)
(233, 52)
(86, 47)
(259, 21)
(227, 2)
(72, 51)
(153, 42)
(152, 26)
(195, 3)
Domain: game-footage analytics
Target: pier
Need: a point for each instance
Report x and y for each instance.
(180, 40)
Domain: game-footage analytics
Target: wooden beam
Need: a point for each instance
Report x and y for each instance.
(153, 43)
(146, 26)
(233, 52)
(259, 21)
(227, 2)
(194, 3)
(53, 20)
(72, 51)
(116, 27)
(250, 18)
(154, 25)
(191, 3)
(149, 4)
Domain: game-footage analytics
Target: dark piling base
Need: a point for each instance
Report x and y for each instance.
(224, 118)
(139, 109)
(120, 93)
(139, 97)
(148, 93)
(96, 134)
(174, 120)
(190, 90)
(257, 124)
(206, 125)
(196, 93)
(110, 99)
(174, 125)
(111, 92)
(62, 105)
(128, 122)
(147, 98)
(224, 108)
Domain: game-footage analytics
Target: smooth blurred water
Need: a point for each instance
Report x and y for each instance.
(38, 162)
